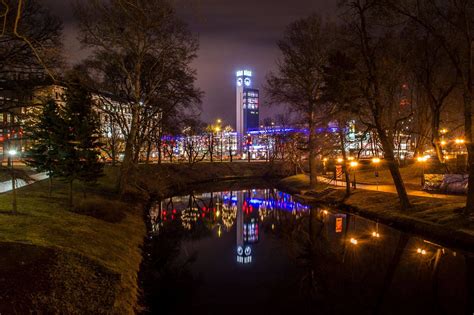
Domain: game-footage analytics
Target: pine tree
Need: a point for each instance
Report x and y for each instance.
(45, 133)
(80, 147)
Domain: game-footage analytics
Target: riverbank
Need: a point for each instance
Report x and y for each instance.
(438, 219)
(55, 260)
(164, 180)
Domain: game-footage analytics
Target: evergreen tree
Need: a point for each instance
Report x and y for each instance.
(45, 132)
(79, 149)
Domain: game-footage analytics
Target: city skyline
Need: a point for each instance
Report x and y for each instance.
(231, 37)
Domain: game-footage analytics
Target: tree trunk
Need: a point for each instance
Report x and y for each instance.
(394, 170)
(313, 179)
(148, 152)
(70, 193)
(128, 154)
(469, 138)
(344, 157)
(435, 139)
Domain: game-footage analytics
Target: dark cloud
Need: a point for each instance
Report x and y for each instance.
(232, 34)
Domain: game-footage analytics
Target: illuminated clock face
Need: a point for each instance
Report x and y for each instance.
(239, 81)
(247, 82)
(240, 250)
(248, 251)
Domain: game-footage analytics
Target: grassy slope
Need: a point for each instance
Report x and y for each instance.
(47, 222)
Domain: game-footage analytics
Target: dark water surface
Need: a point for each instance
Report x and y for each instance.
(258, 251)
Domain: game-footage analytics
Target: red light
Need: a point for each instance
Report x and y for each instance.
(203, 215)
(174, 210)
(164, 212)
(172, 217)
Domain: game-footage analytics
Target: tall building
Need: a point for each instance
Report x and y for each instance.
(247, 102)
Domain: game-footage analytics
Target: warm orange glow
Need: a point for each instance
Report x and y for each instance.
(325, 159)
(339, 160)
(375, 234)
(376, 160)
(354, 164)
(443, 131)
(421, 159)
(350, 158)
(459, 141)
(354, 241)
(443, 142)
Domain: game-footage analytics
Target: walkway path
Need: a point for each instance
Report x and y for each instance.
(392, 189)
(7, 185)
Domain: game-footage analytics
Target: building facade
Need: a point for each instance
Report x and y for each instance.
(247, 103)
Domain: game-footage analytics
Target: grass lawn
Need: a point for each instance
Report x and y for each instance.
(411, 175)
(80, 263)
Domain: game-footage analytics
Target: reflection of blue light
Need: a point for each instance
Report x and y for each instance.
(256, 201)
(234, 198)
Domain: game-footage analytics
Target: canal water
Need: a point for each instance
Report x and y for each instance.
(258, 251)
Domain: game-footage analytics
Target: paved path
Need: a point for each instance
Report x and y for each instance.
(7, 185)
(392, 189)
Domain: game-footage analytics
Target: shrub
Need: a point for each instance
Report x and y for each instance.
(112, 211)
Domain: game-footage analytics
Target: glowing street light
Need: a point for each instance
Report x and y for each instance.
(421, 251)
(340, 160)
(375, 234)
(442, 143)
(354, 241)
(422, 160)
(459, 141)
(443, 131)
(376, 162)
(353, 165)
(324, 165)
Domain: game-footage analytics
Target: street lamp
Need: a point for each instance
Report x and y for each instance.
(12, 153)
(376, 162)
(353, 165)
(324, 165)
(422, 160)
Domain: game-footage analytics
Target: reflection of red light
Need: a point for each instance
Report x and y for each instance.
(164, 212)
(174, 210)
(203, 215)
(172, 217)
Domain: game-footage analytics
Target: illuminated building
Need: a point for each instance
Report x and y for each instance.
(247, 103)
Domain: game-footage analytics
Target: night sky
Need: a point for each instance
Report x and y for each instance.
(232, 35)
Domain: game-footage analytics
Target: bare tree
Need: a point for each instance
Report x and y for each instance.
(141, 53)
(298, 80)
(451, 24)
(380, 62)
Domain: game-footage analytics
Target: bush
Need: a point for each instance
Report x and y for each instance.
(112, 211)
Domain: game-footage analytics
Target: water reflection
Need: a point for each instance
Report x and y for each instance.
(219, 248)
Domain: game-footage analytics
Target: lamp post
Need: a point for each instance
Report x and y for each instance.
(376, 162)
(353, 165)
(11, 154)
(422, 160)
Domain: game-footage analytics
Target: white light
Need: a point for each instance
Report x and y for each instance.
(247, 82)
(239, 73)
(354, 241)
(248, 73)
(12, 152)
(239, 81)
(248, 251)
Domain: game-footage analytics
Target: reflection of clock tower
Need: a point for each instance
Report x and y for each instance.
(246, 103)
